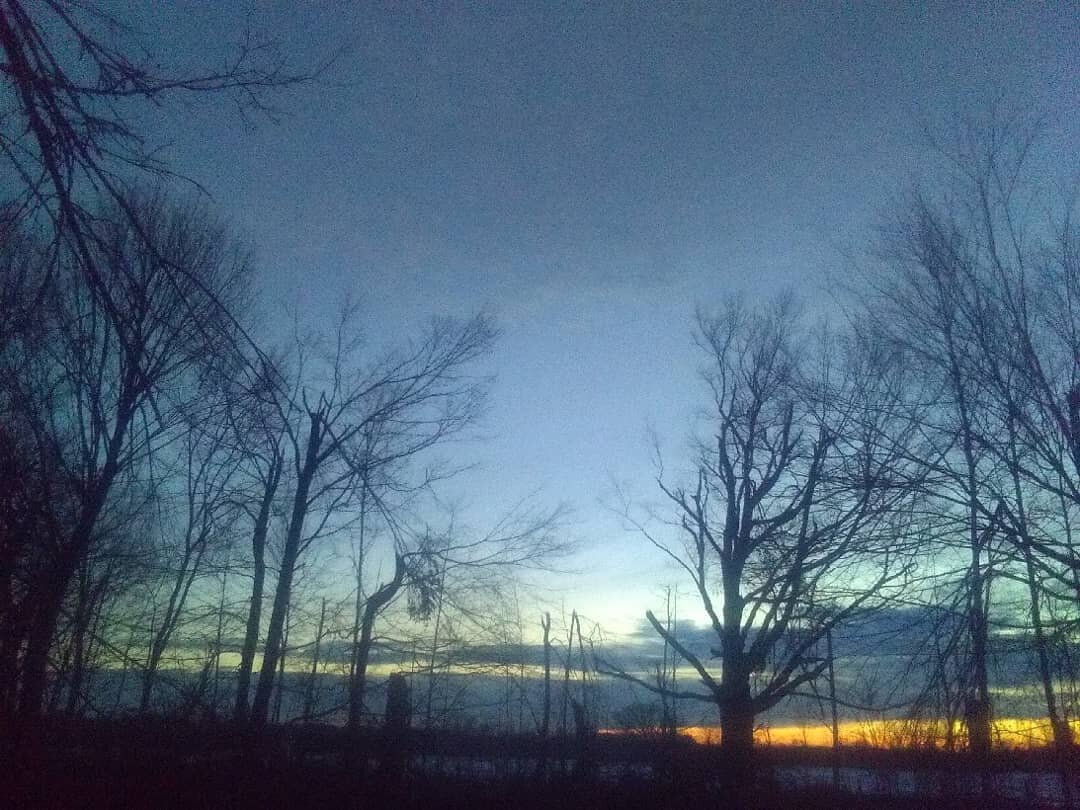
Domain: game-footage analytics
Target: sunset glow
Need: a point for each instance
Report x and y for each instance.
(1010, 732)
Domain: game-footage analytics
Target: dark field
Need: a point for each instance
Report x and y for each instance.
(160, 764)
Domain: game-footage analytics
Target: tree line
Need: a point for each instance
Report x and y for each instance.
(915, 451)
(143, 450)
(155, 453)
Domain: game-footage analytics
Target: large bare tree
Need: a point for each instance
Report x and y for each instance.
(795, 516)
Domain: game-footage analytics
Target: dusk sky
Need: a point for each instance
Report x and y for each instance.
(591, 175)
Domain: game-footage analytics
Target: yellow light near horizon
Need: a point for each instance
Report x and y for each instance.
(1009, 732)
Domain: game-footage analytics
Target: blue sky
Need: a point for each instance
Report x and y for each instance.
(591, 174)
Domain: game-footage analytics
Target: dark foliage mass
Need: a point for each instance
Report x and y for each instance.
(207, 514)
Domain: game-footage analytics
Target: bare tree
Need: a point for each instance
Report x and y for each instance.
(73, 73)
(457, 574)
(423, 394)
(202, 516)
(99, 391)
(979, 291)
(258, 426)
(799, 501)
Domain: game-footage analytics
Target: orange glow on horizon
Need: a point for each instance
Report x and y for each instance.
(1009, 732)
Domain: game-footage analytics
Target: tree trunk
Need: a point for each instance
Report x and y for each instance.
(736, 704)
(279, 695)
(254, 620)
(1062, 734)
(36, 659)
(81, 619)
(309, 696)
(358, 602)
(10, 632)
(545, 723)
(737, 734)
(1060, 729)
(374, 606)
(977, 708)
(86, 674)
(274, 636)
(185, 577)
(265, 687)
(50, 597)
(563, 729)
(434, 650)
(834, 718)
(219, 633)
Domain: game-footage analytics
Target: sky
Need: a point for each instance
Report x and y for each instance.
(591, 174)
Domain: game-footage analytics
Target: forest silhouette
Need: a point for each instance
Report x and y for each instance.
(233, 571)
